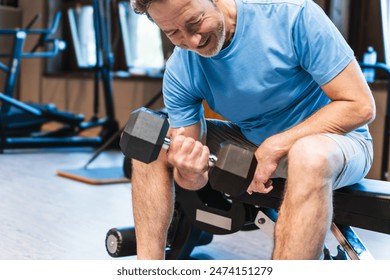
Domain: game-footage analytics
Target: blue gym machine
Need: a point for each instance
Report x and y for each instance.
(21, 123)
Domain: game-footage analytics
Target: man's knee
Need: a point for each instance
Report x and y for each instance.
(315, 156)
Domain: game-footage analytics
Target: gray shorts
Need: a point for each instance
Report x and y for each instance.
(357, 150)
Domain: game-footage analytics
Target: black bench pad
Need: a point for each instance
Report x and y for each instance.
(365, 204)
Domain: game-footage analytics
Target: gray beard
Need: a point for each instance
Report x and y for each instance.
(218, 48)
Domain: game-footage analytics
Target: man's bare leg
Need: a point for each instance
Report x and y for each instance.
(153, 198)
(307, 209)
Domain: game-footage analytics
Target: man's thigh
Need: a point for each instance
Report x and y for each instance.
(358, 157)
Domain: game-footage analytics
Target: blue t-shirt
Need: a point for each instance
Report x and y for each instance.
(268, 79)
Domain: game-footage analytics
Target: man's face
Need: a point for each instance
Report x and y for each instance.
(196, 25)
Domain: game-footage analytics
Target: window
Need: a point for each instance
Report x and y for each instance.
(141, 41)
(83, 35)
(136, 42)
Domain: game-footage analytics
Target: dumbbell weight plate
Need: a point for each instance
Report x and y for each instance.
(127, 167)
(144, 134)
(234, 169)
(121, 242)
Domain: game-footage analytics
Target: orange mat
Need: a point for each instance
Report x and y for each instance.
(95, 176)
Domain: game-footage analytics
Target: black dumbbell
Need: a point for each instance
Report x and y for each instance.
(234, 170)
(145, 135)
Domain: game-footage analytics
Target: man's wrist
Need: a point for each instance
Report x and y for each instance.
(191, 181)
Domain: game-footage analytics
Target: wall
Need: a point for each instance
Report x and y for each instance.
(365, 27)
(379, 90)
(10, 17)
(76, 95)
(31, 69)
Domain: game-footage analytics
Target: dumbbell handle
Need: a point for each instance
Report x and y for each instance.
(212, 158)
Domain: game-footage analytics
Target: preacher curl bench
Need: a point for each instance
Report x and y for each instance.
(198, 215)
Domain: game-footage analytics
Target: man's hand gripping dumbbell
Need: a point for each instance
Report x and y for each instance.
(144, 136)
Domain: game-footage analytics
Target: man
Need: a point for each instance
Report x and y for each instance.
(289, 85)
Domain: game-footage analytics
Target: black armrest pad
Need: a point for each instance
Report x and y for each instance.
(369, 187)
(365, 204)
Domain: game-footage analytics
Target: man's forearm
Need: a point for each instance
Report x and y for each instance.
(339, 117)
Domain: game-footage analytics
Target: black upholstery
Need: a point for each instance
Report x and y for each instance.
(364, 205)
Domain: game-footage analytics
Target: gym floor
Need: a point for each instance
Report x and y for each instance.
(47, 217)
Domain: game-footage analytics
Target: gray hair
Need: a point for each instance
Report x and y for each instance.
(141, 7)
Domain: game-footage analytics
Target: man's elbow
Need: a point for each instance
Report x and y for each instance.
(367, 113)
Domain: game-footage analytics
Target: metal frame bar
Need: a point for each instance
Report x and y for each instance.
(350, 242)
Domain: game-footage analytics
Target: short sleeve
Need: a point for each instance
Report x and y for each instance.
(183, 105)
(321, 49)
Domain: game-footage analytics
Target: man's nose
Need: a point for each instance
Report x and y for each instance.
(193, 40)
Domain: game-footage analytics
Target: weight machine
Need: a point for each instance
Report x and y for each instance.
(21, 123)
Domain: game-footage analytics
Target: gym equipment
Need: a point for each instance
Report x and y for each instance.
(181, 239)
(364, 205)
(211, 211)
(144, 137)
(110, 175)
(21, 123)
